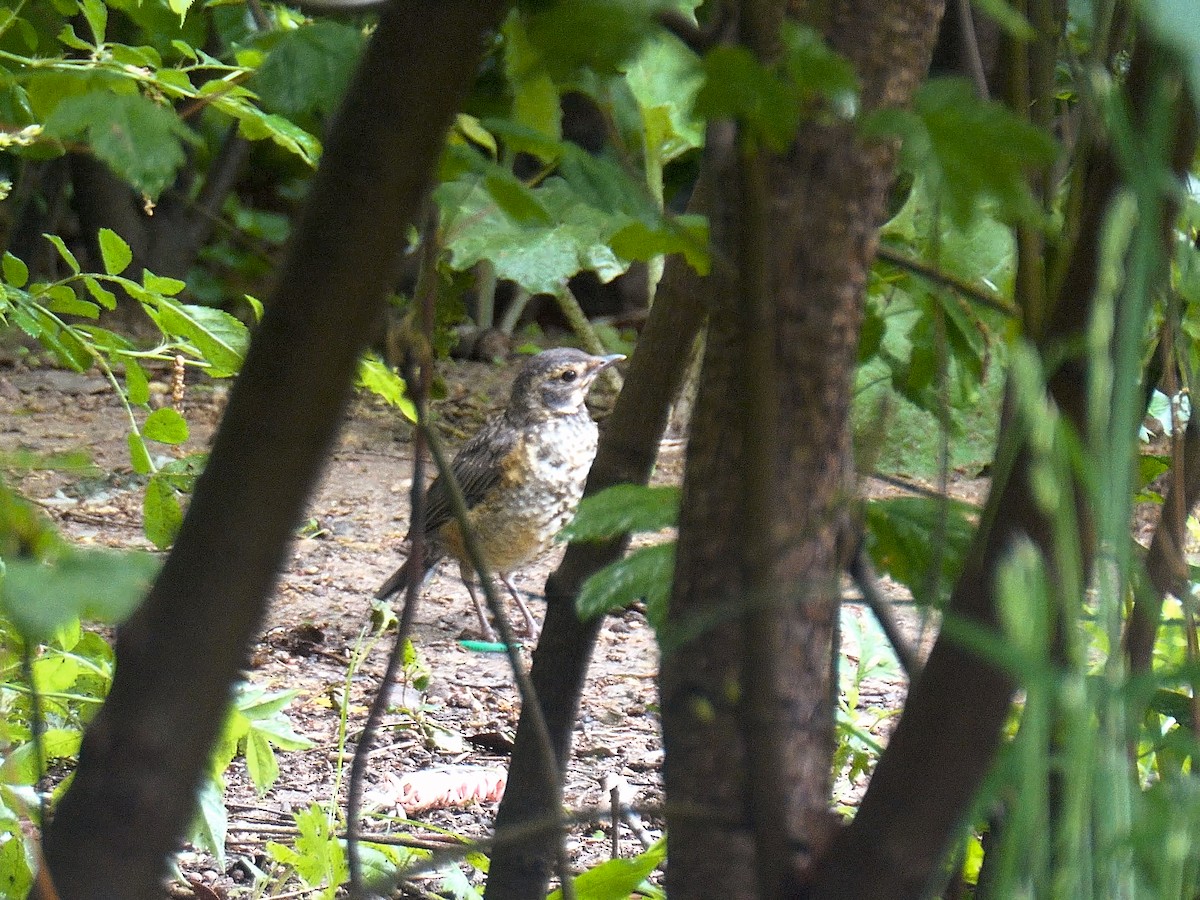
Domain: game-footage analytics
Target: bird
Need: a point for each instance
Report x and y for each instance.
(522, 475)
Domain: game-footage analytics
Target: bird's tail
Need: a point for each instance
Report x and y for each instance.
(398, 579)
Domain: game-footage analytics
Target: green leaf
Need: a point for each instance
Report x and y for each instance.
(137, 385)
(139, 456)
(220, 338)
(686, 234)
(101, 585)
(114, 252)
(540, 258)
(67, 255)
(181, 474)
(16, 863)
(138, 138)
(21, 765)
(61, 339)
(902, 533)
(261, 763)
(255, 125)
(970, 150)
(535, 97)
(96, 14)
(623, 508)
(162, 515)
(15, 271)
(664, 79)
(308, 68)
(595, 35)
(166, 426)
(1011, 20)
(617, 878)
(377, 377)
(646, 573)
(738, 86)
(815, 68)
(212, 821)
(161, 284)
(64, 301)
(515, 199)
(102, 295)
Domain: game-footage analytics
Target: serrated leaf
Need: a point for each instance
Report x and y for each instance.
(646, 573)
(137, 385)
(139, 139)
(212, 821)
(139, 456)
(901, 535)
(220, 338)
(15, 271)
(379, 379)
(160, 284)
(623, 508)
(540, 258)
(161, 513)
(101, 294)
(114, 252)
(67, 256)
(308, 68)
(255, 125)
(100, 585)
(65, 302)
(166, 426)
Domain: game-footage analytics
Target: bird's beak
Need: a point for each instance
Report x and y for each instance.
(600, 363)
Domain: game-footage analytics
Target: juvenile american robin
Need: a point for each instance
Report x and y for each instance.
(522, 475)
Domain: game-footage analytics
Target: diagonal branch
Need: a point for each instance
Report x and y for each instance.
(146, 752)
(628, 447)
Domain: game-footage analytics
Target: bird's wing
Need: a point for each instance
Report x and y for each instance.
(478, 467)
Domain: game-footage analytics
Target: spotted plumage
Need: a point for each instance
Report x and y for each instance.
(521, 474)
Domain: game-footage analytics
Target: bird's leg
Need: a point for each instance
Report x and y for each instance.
(531, 625)
(484, 625)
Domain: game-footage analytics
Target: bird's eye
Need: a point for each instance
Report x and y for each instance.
(568, 375)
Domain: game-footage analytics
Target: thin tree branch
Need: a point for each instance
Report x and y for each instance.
(148, 749)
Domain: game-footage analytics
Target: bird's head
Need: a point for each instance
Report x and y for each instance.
(555, 382)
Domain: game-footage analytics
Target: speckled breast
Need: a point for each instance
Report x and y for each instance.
(540, 488)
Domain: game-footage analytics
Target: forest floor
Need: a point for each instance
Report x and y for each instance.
(321, 610)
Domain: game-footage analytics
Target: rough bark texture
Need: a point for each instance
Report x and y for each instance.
(748, 686)
(628, 447)
(147, 750)
(948, 735)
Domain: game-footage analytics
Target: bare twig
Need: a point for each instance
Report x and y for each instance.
(868, 584)
(419, 380)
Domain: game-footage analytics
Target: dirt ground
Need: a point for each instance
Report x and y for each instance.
(322, 606)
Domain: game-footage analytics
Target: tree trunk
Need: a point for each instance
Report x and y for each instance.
(179, 656)
(748, 678)
(628, 447)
